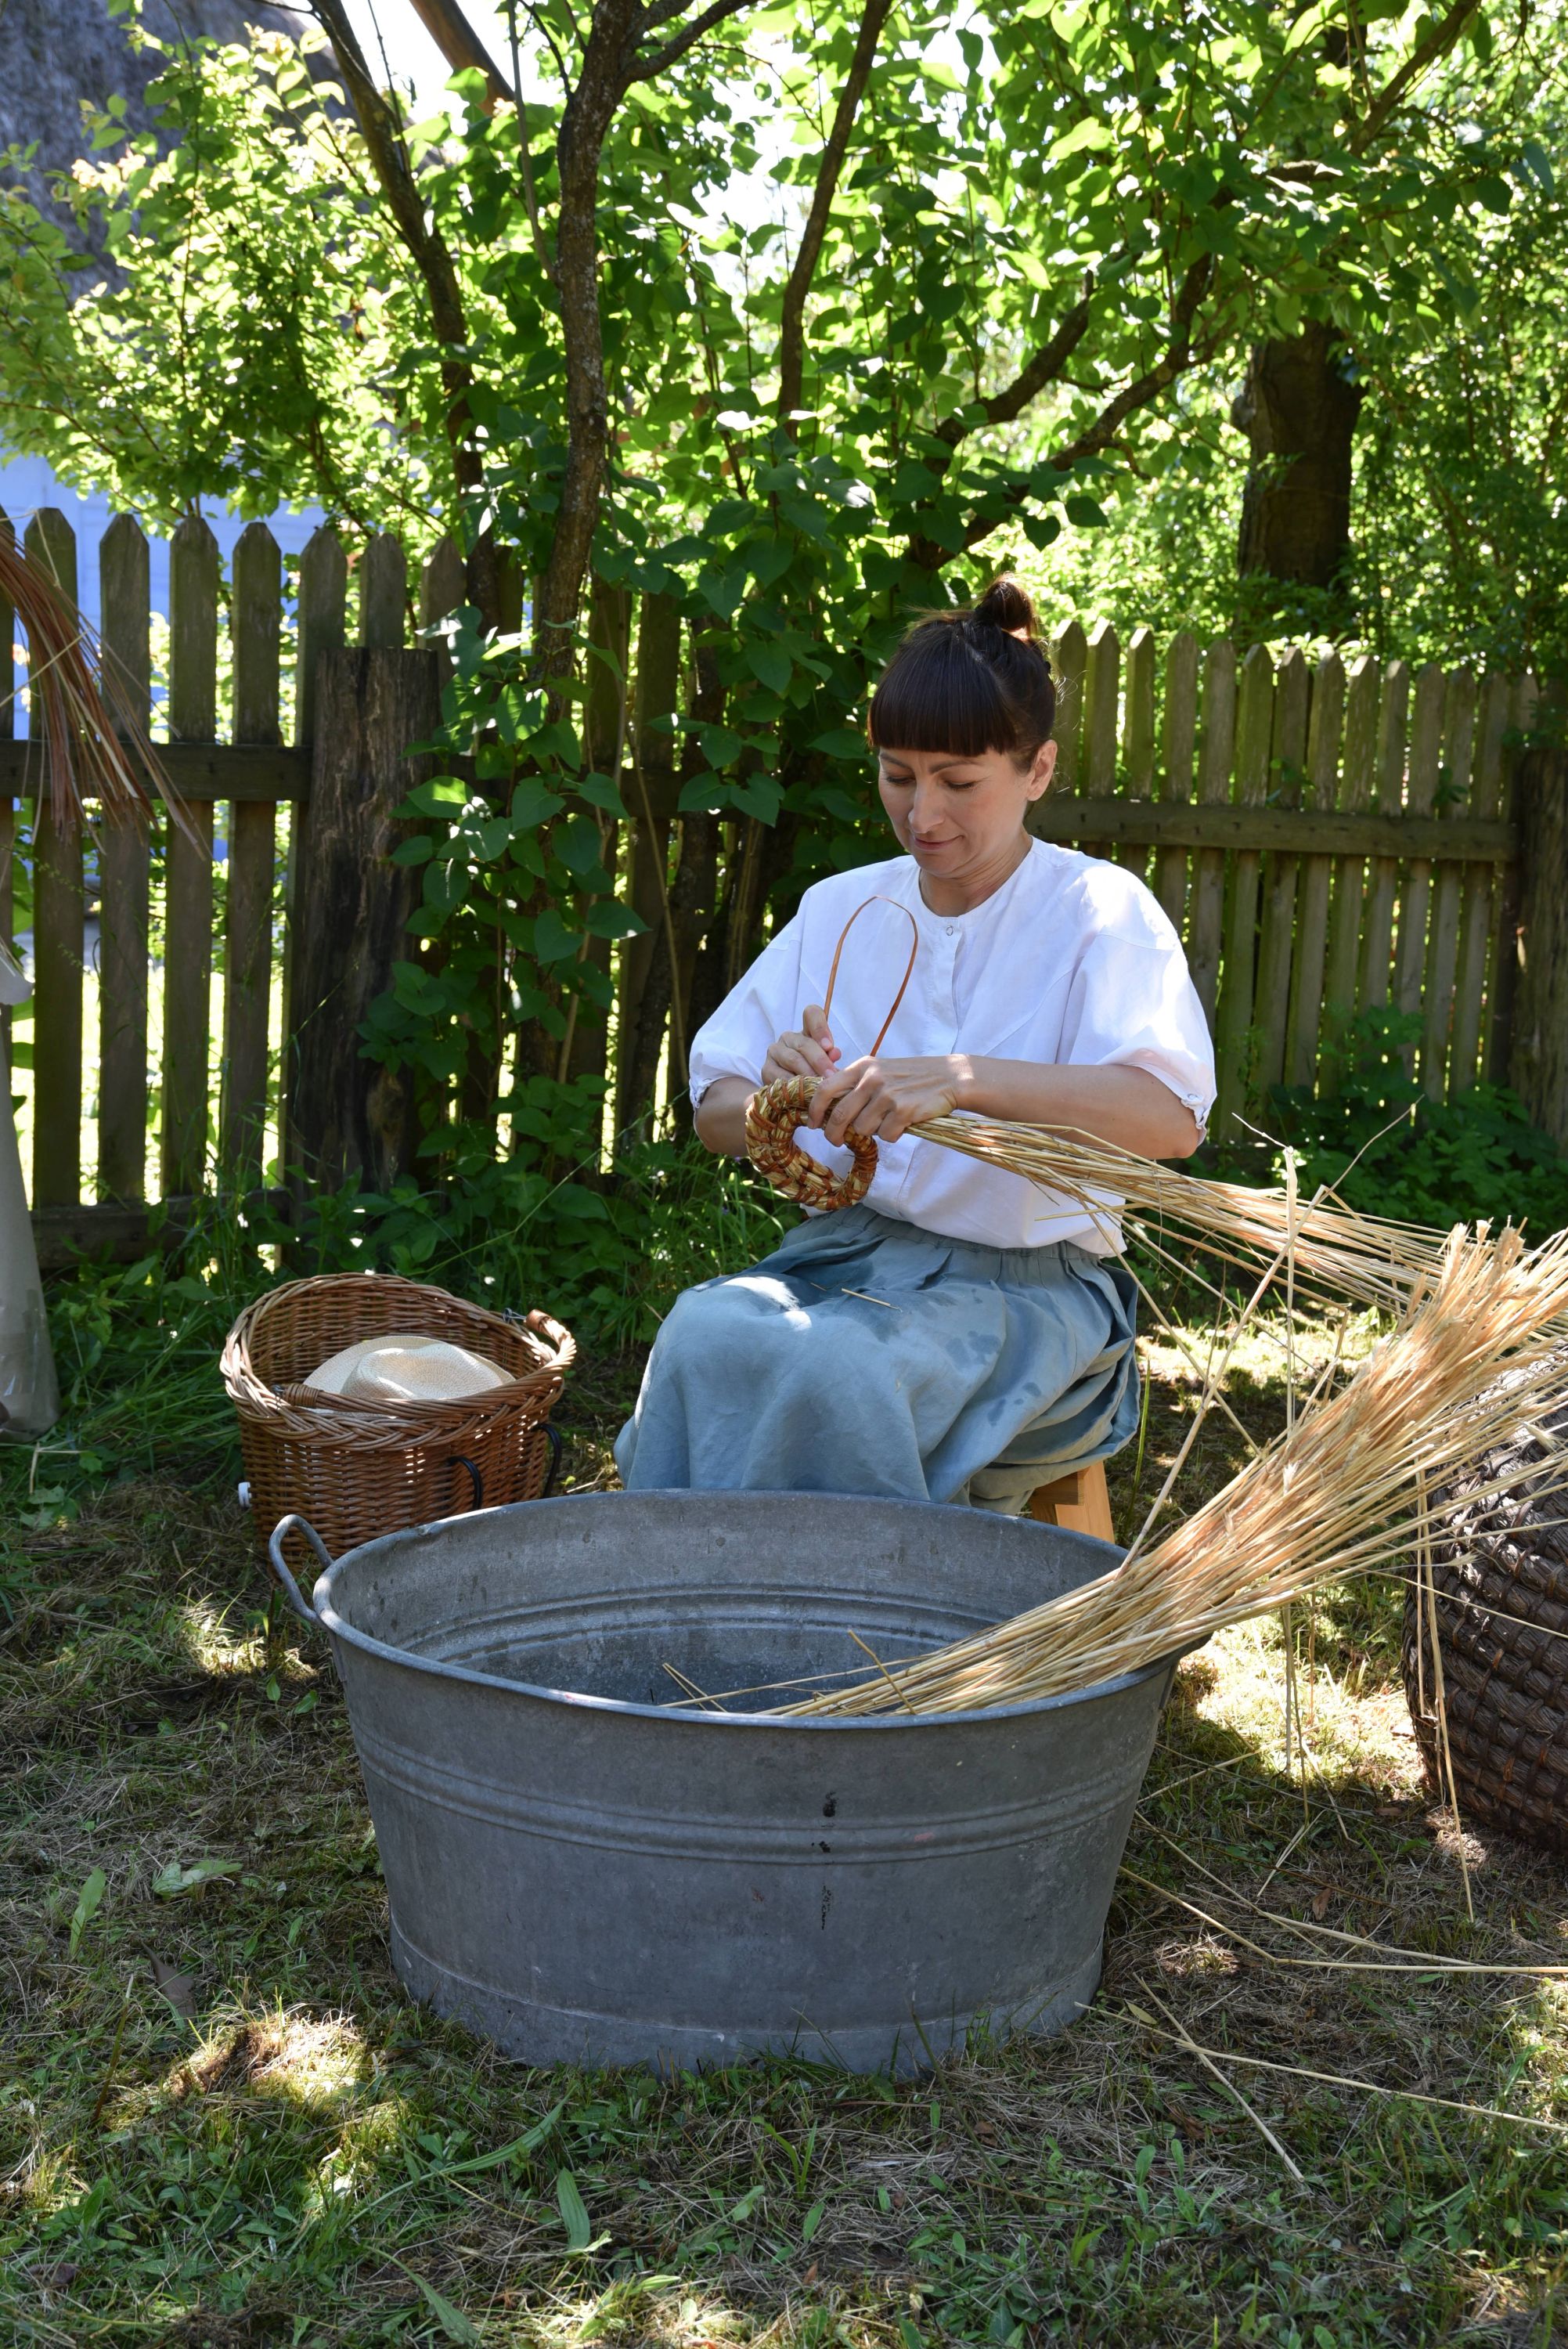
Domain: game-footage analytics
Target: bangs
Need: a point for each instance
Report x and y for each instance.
(940, 693)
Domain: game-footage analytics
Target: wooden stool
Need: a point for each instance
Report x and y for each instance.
(1081, 1502)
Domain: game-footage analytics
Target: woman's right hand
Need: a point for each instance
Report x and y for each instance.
(807, 1050)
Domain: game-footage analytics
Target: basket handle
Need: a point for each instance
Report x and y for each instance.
(296, 1599)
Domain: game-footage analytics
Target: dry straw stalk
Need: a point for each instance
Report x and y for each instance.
(1346, 1489)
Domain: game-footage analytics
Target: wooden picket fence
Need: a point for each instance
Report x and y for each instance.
(1324, 840)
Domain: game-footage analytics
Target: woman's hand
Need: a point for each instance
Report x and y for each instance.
(885, 1098)
(807, 1050)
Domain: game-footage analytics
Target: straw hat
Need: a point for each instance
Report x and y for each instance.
(404, 1367)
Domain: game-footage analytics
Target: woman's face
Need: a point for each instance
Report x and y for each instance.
(960, 818)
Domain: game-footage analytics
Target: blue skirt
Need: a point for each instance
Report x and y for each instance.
(868, 1356)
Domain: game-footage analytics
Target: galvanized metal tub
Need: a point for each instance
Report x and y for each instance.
(587, 1873)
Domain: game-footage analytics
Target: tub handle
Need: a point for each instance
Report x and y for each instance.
(296, 1597)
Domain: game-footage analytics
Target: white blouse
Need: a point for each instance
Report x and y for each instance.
(1071, 961)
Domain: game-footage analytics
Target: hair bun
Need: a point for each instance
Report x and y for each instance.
(1007, 605)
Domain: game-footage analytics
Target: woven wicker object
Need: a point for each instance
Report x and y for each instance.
(358, 1469)
(773, 1117)
(1500, 1579)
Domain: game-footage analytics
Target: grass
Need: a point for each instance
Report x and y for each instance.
(221, 2123)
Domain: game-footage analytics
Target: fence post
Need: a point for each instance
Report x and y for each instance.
(1538, 1057)
(57, 935)
(125, 855)
(349, 1116)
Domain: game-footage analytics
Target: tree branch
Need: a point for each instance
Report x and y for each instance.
(427, 250)
(792, 320)
(460, 45)
(1174, 361)
(1046, 364)
(645, 68)
(1437, 43)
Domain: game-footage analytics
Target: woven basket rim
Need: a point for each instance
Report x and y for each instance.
(310, 1414)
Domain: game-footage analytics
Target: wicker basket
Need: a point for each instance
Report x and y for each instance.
(1501, 1580)
(358, 1469)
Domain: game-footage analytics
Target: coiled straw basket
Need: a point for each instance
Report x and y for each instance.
(359, 1469)
(1500, 1597)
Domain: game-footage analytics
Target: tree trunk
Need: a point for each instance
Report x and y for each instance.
(349, 1116)
(1538, 1055)
(1298, 409)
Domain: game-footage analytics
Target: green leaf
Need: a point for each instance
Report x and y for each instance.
(419, 851)
(1084, 513)
(552, 941)
(573, 2212)
(1494, 193)
(440, 796)
(577, 844)
(601, 793)
(770, 664)
(534, 802)
(87, 1905)
(840, 742)
(612, 921)
(452, 2322)
(813, 2220)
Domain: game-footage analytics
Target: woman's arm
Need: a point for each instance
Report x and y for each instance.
(1129, 1107)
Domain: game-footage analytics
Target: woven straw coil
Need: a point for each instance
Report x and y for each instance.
(1499, 1575)
(774, 1115)
(358, 1469)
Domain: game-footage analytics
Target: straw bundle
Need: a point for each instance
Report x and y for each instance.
(1344, 1490)
(1333, 1250)
(83, 716)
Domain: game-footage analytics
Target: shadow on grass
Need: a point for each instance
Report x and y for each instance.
(304, 2158)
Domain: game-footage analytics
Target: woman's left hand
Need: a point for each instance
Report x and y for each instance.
(885, 1098)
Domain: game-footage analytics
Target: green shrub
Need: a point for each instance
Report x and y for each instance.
(1371, 1132)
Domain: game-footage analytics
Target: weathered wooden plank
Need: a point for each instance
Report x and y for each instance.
(1477, 923)
(1448, 884)
(382, 591)
(120, 1231)
(1510, 942)
(1234, 1037)
(1178, 742)
(348, 1116)
(442, 588)
(1538, 1066)
(1324, 726)
(1414, 900)
(645, 987)
(1287, 761)
(194, 584)
(1383, 878)
(257, 603)
(58, 913)
(1358, 774)
(605, 731)
(124, 853)
(1138, 737)
(1101, 703)
(320, 616)
(1214, 757)
(196, 771)
(1070, 658)
(7, 798)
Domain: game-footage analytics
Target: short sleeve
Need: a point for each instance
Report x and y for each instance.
(735, 1042)
(1132, 1003)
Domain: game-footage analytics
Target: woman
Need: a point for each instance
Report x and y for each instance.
(963, 1334)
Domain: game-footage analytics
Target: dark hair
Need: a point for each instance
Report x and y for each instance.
(963, 682)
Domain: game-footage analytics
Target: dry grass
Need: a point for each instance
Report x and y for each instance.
(302, 2158)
